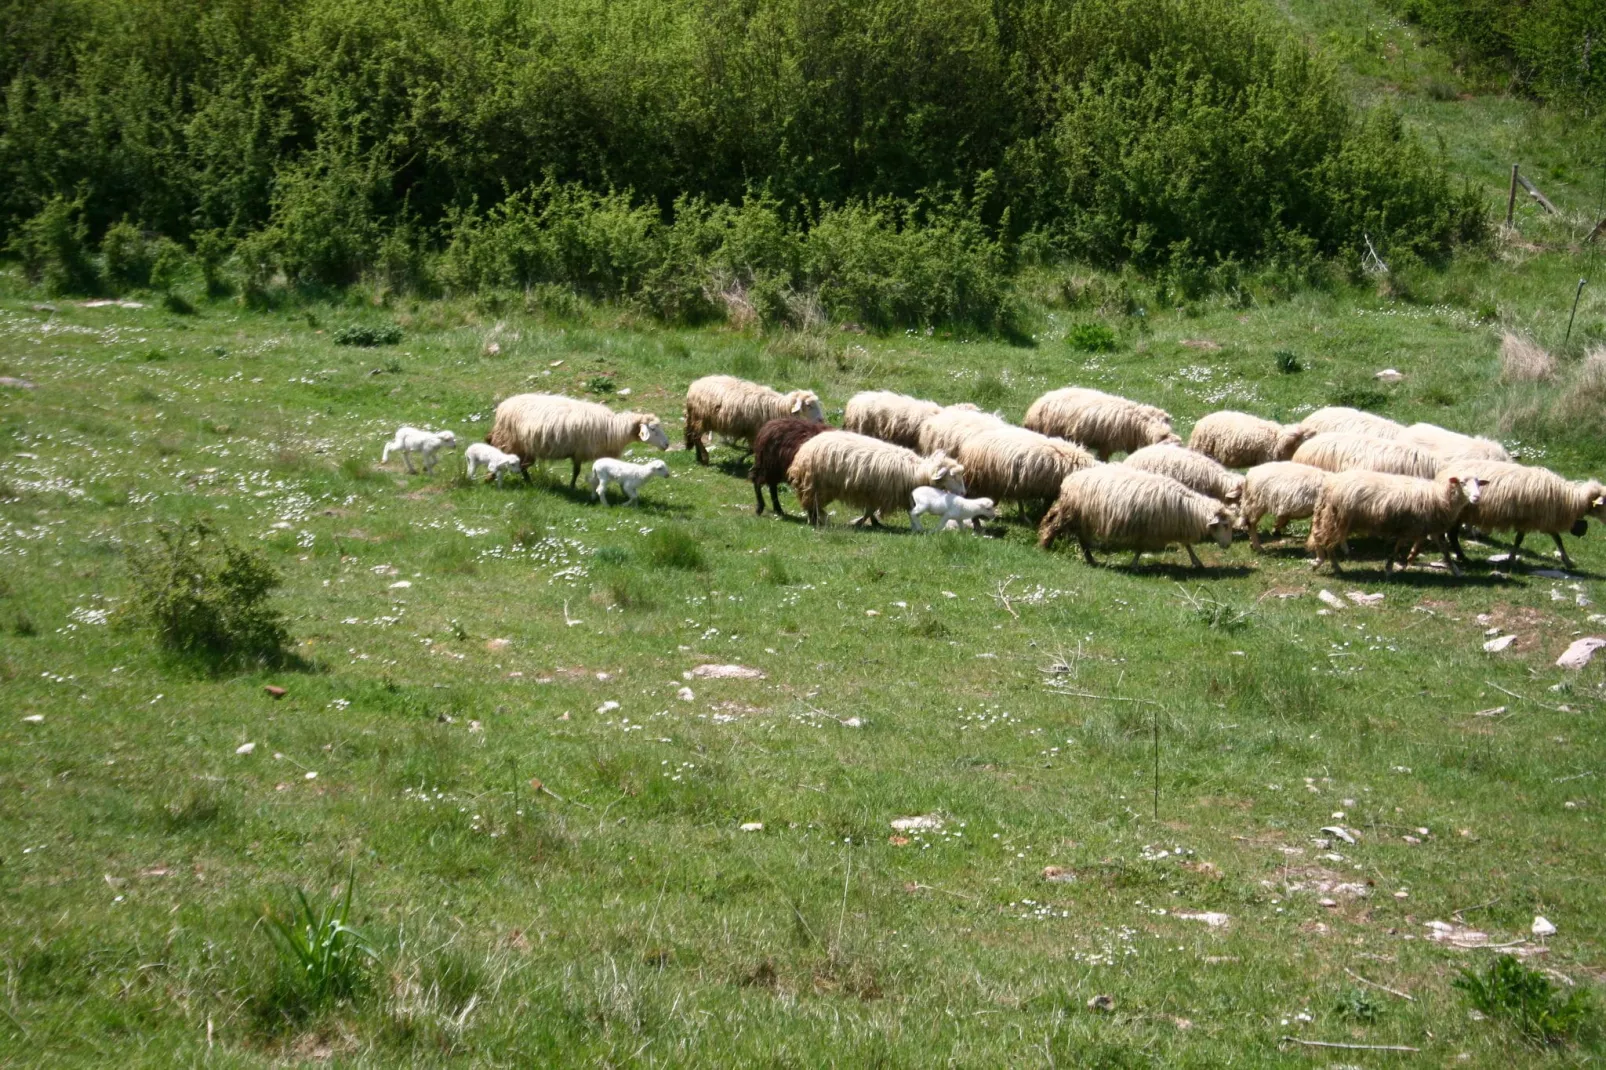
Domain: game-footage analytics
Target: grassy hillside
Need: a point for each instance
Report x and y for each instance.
(549, 878)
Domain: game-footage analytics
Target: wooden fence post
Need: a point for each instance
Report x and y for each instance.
(1511, 201)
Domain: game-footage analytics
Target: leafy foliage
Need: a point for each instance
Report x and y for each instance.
(1091, 338)
(1546, 44)
(367, 335)
(207, 597)
(1527, 999)
(54, 248)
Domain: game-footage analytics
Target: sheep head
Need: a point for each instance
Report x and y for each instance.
(650, 430)
(806, 406)
(448, 438)
(1220, 528)
(1597, 503)
(657, 467)
(1469, 488)
(988, 508)
(1289, 440)
(945, 472)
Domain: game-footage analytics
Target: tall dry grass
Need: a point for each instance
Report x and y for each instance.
(1522, 360)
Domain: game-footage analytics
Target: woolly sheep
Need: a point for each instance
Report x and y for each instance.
(1404, 508)
(1353, 421)
(1192, 469)
(1447, 443)
(628, 475)
(949, 507)
(1014, 464)
(1286, 490)
(1341, 451)
(1520, 498)
(894, 418)
(410, 440)
(542, 427)
(1239, 440)
(1116, 507)
(774, 449)
(948, 429)
(866, 473)
(736, 409)
(1098, 421)
(484, 455)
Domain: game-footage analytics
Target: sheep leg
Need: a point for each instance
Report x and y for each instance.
(384, 456)
(1566, 562)
(1193, 556)
(758, 493)
(975, 524)
(525, 469)
(1087, 552)
(775, 499)
(574, 477)
(914, 521)
(1137, 555)
(407, 458)
(1516, 545)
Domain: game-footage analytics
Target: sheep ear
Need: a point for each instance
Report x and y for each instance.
(797, 404)
(1598, 502)
(644, 433)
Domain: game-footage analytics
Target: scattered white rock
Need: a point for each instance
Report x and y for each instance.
(1494, 646)
(401, 585)
(1101, 1004)
(752, 826)
(724, 672)
(624, 392)
(604, 676)
(608, 707)
(1552, 574)
(1210, 917)
(1580, 653)
(923, 823)
(1543, 926)
(311, 775)
(872, 613)
(1360, 598)
(686, 694)
(498, 644)
(1341, 833)
(852, 722)
(34, 718)
(245, 748)
(1388, 375)
(1329, 598)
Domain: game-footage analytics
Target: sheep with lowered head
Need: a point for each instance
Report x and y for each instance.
(544, 427)
(1521, 498)
(1284, 489)
(1120, 508)
(1014, 464)
(410, 440)
(894, 418)
(1103, 423)
(1239, 440)
(1447, 443)
(867, 473)
(736, 409)
(1353, 421)
(948, 429)
(1342, 451)
(1192, 469)
(484, 455)
(1403, 508)
(773, 452)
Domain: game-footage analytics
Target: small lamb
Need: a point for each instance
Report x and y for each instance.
(484, 455)
(630, 477)
(410, 440)
(950, 508)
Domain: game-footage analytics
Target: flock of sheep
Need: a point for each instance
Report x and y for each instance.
(1349, 472)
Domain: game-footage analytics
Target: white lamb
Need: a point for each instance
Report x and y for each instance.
(410, 440)
(484, 455)
(949, 507)
(630, 477)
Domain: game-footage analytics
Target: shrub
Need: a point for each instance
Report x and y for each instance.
(206, 597)
(54, 248)
(169, 261)
(1522, 360)
(1091, 338)
(128, 257)
(323, 231)
(1511, 992)
(368, 336)
(674, 548)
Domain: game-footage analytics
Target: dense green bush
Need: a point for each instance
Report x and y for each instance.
(54, 248)
(767, 160)
(1551, 46)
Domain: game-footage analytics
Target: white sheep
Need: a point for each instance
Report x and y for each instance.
(1403, 508)
(949, 507)
(1116, 507)
(1239, 440)
(1192, 469)
(894, 418)
(1341, 451)
(1447, 443)
(1103, 423)
(736, 409)
(1286, 490)
(1353, 421)
(629, 476)
(484, 455)
(869, 474)
(1521, 498)
(947, 430)
(542, 427)
(410, 440)
(1014, 464)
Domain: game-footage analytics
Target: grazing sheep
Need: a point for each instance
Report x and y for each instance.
(1405, 508)
(1520, 498)
(1353, 421)
(410, 440)
(866, 473)
(774, 449)
(1341, 451)
(736, 409)
(1446, 443)
(1014, 464)
(949, 507)
(543, 427)
(628, 475)
(1239, 440)
(1116, 507)
(1286, 490)
(484, 455)
(1193, 470)
(1098, 421)
(948, 429)
(894, 418)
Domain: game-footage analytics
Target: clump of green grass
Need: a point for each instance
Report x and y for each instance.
(367, 336)
(206, 597)
(1357, 1005)
(22, 625)
(600, 384)
(774, 572)
(1367, 398)
(675, 548)
(322, 958)
(1287, 362)
(1091, 338)
(1526, 999)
